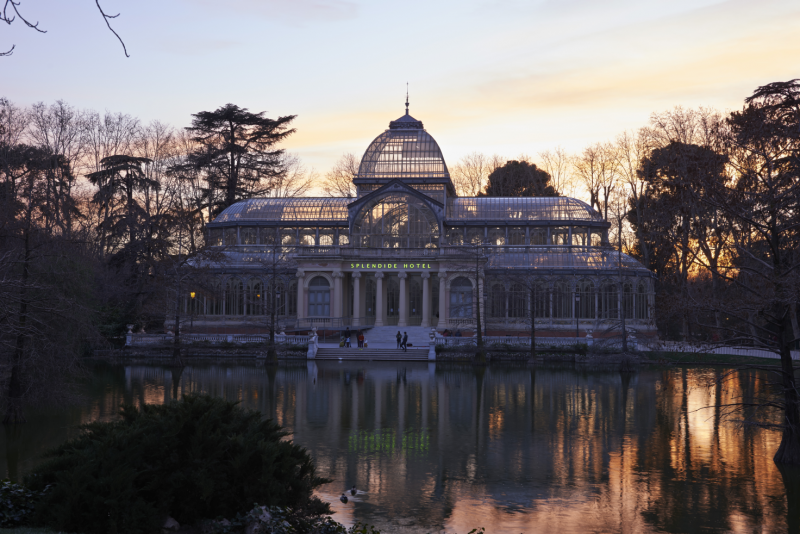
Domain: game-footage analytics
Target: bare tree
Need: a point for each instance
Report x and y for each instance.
(294, 181)
(338, 182)
(558, 164)
(11, 12)
(596, 167)
(472, 171)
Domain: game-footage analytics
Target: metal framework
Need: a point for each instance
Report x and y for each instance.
(287, 210)
(403, 153)
(520, 209)
(396, 220)
(605, 260)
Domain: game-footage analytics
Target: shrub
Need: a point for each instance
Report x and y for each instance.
(200, 457)
(17, 503)
(277, 520)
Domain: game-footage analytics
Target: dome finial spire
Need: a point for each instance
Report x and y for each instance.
(406, 98)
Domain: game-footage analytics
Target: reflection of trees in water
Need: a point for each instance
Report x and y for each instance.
(577, 449)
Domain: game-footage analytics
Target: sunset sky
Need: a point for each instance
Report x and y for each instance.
(497, 76)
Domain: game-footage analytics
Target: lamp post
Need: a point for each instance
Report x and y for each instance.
(577, 314)
(191, 315)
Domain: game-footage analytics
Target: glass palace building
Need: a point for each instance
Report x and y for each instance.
(408, 251)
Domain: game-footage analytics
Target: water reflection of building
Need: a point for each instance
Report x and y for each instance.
(399, 254)
(550, 448)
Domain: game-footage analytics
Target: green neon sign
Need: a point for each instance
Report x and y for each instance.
(390, 266)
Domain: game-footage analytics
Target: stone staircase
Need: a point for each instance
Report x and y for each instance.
(418, 337)
(371, 354)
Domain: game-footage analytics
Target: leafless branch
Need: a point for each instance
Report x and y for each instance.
(106, 19)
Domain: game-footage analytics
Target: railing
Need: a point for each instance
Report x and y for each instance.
(161, 339)
(334, 323)
(415, 321)
(392, 320)
(489, 341)
(458, 321)
(713, 348)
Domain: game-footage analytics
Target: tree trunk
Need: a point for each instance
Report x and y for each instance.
(533, 323)
(789, 449)
(793, 315)
(14, 413)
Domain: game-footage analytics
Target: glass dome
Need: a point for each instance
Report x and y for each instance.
(403, 151)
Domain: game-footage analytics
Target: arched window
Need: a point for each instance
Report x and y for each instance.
(518, 301)
(627, 300)
(541, 300)
(562, 300)
(276, 291)
(214, 299)
(461, 298)
(397, 220)
(234, 297)
(291, 299)
(585, 304)
(497, 300)
(255, 298)
(642, 301)
(609, 303)
(497, 235)
(516, 235)
(319, 297)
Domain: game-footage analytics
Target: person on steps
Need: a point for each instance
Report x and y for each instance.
(360, 339)
(404, 343)
(399, 340)
(347, 332)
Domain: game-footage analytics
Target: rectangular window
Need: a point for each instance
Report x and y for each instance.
(215, 237)
(497, 235)
(249, 235)
(516, 235)
(559, 235)
(597, 238)
(455, 236)
(538, 236)
(475, 235)
(230, 236)
(579, 236)
(267, 236)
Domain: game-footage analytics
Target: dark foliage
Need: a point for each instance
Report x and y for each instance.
(17, 503)
(237, 151)
(194, 459)
(519, 179)
(284, 521)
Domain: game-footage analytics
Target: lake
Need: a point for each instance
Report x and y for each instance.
(448, 448)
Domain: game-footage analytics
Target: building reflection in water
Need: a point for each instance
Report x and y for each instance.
(509, 448)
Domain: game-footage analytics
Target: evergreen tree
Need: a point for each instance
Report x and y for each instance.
(237, 152)
(519, 179)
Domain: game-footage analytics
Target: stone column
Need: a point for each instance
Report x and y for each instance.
(402, 310)
(442, 300)
(336, 309)
(301, 294)
(426, 299)
(379, 311)
(356, 298)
